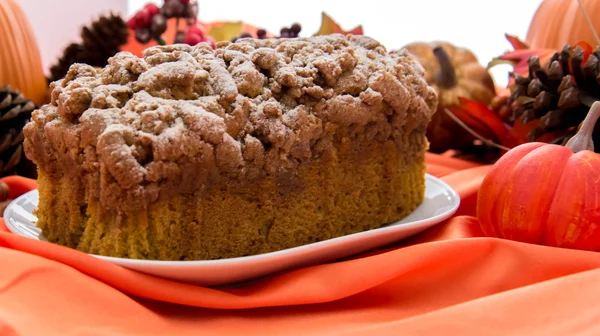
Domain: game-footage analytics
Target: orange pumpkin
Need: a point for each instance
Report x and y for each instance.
(20, 60)
(560, 22)
(546, 194)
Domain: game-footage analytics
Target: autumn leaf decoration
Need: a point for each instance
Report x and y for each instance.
(226, 31)
(549, 94)
(329, 26)
(480, 119)
(229, 30)
(481, 122)
(519, 57)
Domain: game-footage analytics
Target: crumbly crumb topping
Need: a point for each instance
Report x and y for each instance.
(181, 114)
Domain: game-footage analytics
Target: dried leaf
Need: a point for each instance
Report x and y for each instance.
(481, 119)
(329, 26)
(587, 50)
(519, 133)
(358, 30)
(519, 59)
(516, 42)
(226, 31)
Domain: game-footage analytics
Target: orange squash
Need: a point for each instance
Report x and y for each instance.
(560, 22)
(20, 60)
(546, 194)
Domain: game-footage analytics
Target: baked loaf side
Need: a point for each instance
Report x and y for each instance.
(195, 153)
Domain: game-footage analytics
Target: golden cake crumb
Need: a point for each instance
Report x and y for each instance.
(191, 123)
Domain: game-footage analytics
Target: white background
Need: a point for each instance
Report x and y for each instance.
(477, 24)
(57, 23)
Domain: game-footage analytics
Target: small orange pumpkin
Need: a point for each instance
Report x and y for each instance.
(546, 194)
(454, 73)
(20, 60)
(559, 22)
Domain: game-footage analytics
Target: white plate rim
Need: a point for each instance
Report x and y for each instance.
(165, 264)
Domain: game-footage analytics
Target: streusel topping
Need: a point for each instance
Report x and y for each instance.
(181, 115)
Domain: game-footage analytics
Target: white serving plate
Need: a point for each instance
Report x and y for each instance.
(440, 202)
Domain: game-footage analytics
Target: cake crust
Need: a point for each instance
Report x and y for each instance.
(182, 118)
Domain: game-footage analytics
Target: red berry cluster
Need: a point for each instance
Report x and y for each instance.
(151, 22)
(143, 18)
(291, 32)
(193, 36)
(148, 23)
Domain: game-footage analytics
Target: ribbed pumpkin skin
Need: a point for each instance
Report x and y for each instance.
(543, 194)
(20, 59)
(560, 22)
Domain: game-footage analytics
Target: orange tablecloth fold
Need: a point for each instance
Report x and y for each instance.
(447, 280)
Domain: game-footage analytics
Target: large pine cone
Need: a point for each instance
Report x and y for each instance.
(558, 94)
(15, 112)
(100, 41)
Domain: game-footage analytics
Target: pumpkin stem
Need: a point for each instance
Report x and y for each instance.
(588, 21)
(446, 78)
(582, 140)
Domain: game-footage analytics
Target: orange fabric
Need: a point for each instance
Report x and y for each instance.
(448, 280)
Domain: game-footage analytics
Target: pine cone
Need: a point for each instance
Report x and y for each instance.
(559, 94)
(100, 41)
(15, 112)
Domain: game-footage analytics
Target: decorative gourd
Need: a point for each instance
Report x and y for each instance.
(560, 22)
(453, 72)
(20, 60)
(546, 194)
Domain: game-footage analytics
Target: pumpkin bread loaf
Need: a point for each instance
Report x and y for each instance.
(192, 153)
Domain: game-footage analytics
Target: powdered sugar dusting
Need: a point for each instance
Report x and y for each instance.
(246, 109)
